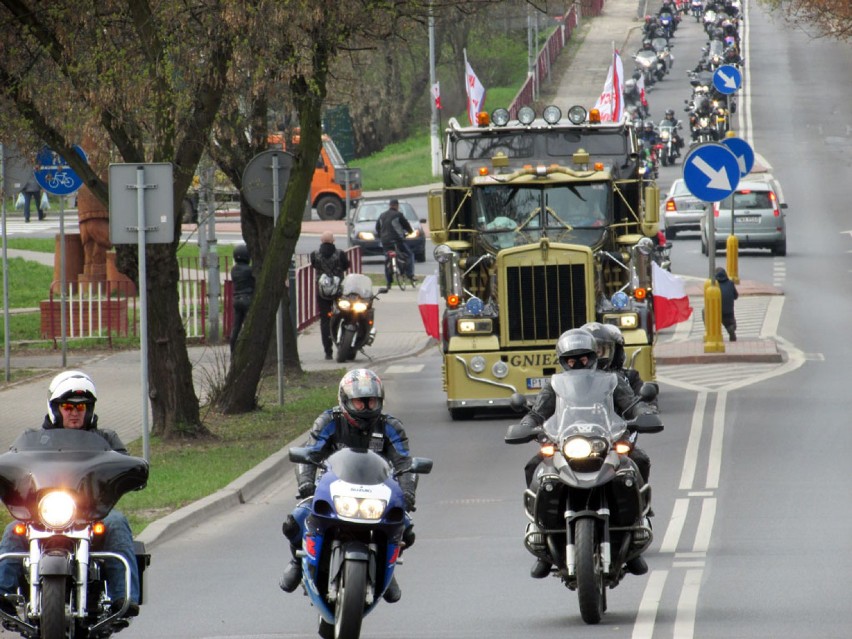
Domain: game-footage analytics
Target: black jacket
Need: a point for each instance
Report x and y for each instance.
(320, 258)
(728, 290)
(545, 403)
(331, 432)
(243, 278)
(110, 436)
(392, 227)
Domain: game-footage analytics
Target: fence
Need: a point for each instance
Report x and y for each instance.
(550, 51)
(92, 309)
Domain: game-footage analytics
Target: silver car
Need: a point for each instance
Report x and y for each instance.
(758, 218)
(680, 211)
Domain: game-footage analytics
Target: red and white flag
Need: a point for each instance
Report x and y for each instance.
(611, 103)
(427, 301)
(475, 92)
(436, 94)
(671, 303)
(640, 86)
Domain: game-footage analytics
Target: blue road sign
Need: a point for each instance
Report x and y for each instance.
(744, 153)
(711, 172)
(727, 79)
(54, 175)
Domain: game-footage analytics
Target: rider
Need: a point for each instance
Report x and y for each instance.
(71, 405)
(577, 349)
(357, 422)
(392, 227)
(669, 121)
(649, 135)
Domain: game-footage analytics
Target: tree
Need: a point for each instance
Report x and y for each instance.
(146, 81)
(827, 18)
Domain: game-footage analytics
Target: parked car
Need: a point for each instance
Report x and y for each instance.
(758, 217)
(362, 228)
(681, 210)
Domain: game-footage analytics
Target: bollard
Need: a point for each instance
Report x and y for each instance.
(713, 318)
(733, 258)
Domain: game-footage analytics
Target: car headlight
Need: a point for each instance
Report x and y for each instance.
(581, 447)
(413, 235)
(360, 508)
(56, 509)
(366, 236)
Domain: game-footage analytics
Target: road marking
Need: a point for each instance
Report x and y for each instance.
(714, 462)
(675, 527)
(705, 525)
(690, 458)
(396, 369)
(647, 613)
(684, 625)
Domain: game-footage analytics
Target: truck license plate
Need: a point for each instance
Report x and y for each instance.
(534, 383)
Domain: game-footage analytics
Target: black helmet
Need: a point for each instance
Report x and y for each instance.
(361, 383)
(241, 254)
(669, 113)
(649, 126)
(574, 344)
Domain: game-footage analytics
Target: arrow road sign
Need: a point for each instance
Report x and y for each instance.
(727, 79)
(53, 173)
(711, 172)
(744, 153)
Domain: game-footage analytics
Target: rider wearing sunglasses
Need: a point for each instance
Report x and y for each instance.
(71, 399)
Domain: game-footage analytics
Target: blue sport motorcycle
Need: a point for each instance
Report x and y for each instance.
(352, 538)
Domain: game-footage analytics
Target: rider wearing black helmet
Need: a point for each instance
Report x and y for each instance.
(356, 422)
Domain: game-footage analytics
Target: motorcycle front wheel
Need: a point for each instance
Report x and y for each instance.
(346, 348)
(52, 624)
(591, 589)
(349, 611)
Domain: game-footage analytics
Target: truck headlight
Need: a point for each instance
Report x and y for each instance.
(474, 326)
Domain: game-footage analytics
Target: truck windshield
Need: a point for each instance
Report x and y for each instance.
(576, 213)
(334, 154)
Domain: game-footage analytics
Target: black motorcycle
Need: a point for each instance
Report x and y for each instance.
(59, 484)
(351, 324)
(670, 141)
(587, 504)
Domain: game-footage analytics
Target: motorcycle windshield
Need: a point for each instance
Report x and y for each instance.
(75, 460)
(584, 397)
(659, 44)
(647, 57)
(357, 284)
(359, 466)
(716, 48)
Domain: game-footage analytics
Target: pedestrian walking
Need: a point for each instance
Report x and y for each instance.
(729, 294)
(330, 263)
(32, 191)
(242, 277)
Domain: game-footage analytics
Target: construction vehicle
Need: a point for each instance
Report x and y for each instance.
(542, 225)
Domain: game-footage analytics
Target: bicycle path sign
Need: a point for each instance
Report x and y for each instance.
(53, 173)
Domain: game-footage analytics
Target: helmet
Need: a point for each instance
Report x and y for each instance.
(669, 113)
(574, 344)
(649, 126)
(361, 383)
(241, 254)
(629, 84)
(75, 387)
(610, 345)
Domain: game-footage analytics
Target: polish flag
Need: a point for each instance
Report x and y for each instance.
(610, 104)
(640, 85)
(427, 301)
(671, 304)
(475, 92)
(436, 94)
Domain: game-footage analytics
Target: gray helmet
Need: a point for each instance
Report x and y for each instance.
(574, 344)
(361, 383)
(241, 254)
(610, 345)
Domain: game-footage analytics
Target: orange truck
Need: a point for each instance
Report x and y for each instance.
(331, 176)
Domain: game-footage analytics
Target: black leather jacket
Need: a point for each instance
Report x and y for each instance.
(243, 279)
(545, 403)
(331, 432)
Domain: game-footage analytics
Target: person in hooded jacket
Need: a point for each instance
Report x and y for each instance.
(356, 422)
(729, 293)
(331, 261)
(242, 277)
(71, 405)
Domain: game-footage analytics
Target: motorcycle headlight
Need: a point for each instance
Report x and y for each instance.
(359, 306)
(343, 304)
(360, 508)
(56, 509)
(581, 447)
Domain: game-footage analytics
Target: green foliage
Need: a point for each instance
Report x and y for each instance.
(29, 282)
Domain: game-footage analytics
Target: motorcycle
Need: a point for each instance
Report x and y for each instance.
(587, 504)
(351, 324)
(649, 65)
(670, 150)
(59, 484)
(664, 53)
(353, 536)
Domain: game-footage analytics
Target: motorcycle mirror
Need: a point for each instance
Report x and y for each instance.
(519, 434)
(300, 455)
(649, 391)
(647, 423)
(420, 465)
(382, 290)
(518, 403)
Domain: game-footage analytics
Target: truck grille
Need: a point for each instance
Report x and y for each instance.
(544, 301)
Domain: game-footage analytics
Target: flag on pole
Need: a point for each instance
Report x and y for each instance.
(671, 304)
(611, 102)
(436, 94)
(475, 92)
(640, 86)
(427, 301)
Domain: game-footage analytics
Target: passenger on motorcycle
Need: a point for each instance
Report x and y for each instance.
(71, 404)
(577, 349)
(357, 422)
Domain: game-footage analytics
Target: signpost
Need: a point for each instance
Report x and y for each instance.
(141, 209)
(55, 176)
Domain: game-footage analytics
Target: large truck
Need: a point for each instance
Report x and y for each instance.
(542, 225)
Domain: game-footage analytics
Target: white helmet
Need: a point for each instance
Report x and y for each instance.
(75, 387)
